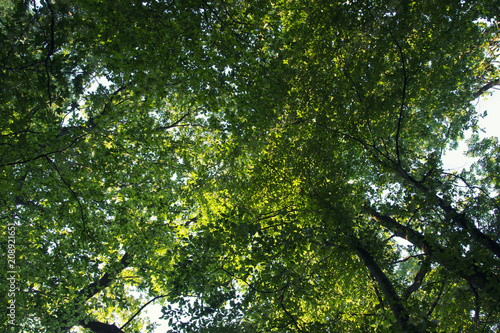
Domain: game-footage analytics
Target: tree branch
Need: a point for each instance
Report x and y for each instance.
(403, 97)
(454, 263)
(73, 194)
(95, 287)
(51, 48)
(419, 278)
(174, 124)
(90, 291)
(295, 323)
(476, 303)
(139, 311)
(486, 87)
(98, 327)
(387, 287)
(459, 218)
(438, 298)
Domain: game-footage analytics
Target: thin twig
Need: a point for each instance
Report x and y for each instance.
(138, 311)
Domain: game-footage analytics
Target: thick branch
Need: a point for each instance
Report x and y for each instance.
(469, 272)
(98, 327)
(419, 278)
(390, 293)
(90, 291)
(459, 218)
(487, 87)
(476, 303)
(94, 288)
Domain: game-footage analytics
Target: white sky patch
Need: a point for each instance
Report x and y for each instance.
(455, 160)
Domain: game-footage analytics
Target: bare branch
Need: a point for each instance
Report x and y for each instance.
(487, 87)
(98, 327)
(139, 311)
(174, 124)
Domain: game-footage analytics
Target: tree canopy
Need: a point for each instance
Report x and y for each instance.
(253, 166)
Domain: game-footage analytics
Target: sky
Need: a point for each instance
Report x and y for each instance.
(456, 160)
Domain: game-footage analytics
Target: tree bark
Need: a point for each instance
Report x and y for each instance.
(486, 87)
(108, 277)
(387, 287)
(98, 327)
(419, 278)
(459, 218)
(454, 263)
(90, 291)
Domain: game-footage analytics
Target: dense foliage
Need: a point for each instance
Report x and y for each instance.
(254, 166)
